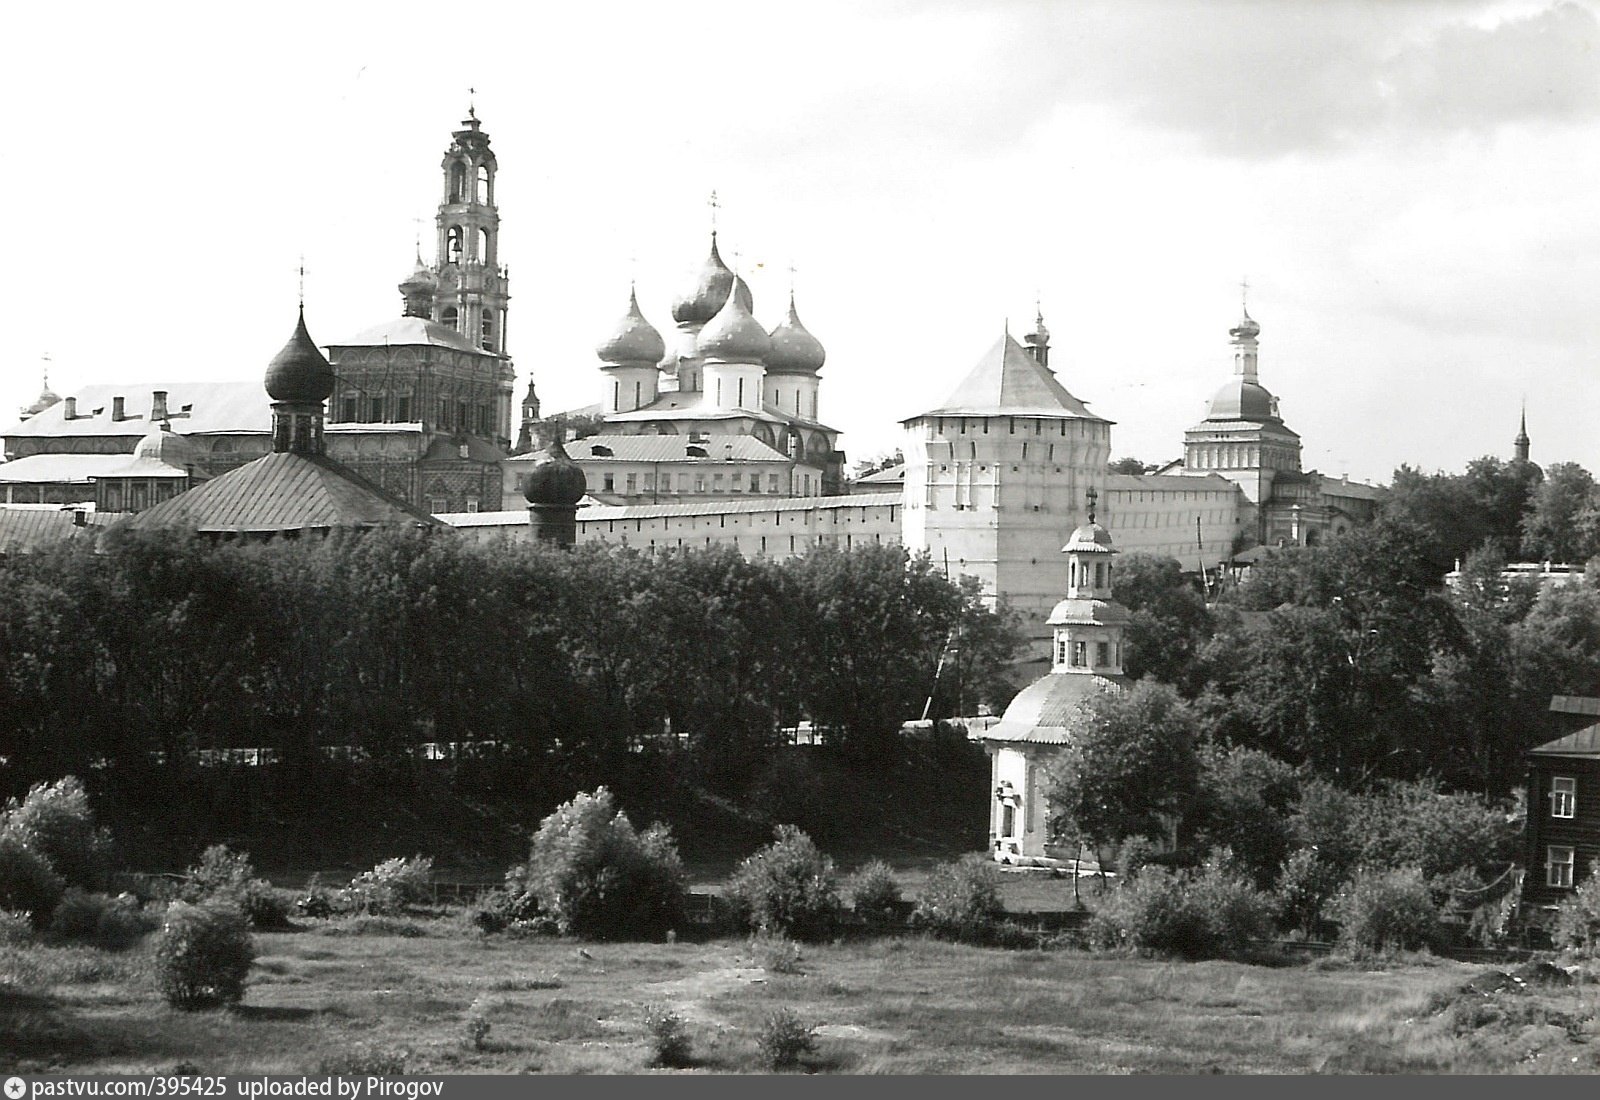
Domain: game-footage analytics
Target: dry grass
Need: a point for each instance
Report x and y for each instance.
(385, 1003)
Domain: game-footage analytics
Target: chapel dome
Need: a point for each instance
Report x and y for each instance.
(1240, 399)
(162, 444)
(633, 339)
(1247, 328)
(300, 372)
(1090, 536)
(794, 349)
(708, 290)
(733, 335)
(420, 279)
(554, 479)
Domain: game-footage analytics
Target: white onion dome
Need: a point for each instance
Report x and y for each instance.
(794, 349)
(633, 339)
(162, 444)
(709, 290)
(733, 335)
(1246, 329)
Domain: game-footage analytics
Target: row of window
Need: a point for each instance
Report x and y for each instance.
(735, 483)
(452, 415)
(437, 505)
(1076, 654)
(981, 423)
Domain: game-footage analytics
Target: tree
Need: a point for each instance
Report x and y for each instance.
(1131, 769)
(1169, 621)
(1551, 528)
(1128, 465)
(1242, 802)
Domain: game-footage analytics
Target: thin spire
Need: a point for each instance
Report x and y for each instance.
(44, 359)
(1244, 294)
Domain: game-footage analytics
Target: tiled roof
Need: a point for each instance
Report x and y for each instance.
(27, 527)
(410, 332)
(1586, 742)
(1008, 381)
(283, 491)
(213, 407)
(1045, 712)
(666, 448)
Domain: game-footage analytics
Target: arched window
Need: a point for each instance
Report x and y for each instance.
(486, 330)
(483, 246)
(454, 245)
(458, 182)
(449, 317)
(484, 196)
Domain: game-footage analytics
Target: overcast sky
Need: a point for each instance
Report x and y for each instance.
(1412, 190)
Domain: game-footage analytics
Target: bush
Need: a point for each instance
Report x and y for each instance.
(475, 1030)
(595, 876)
(1578, 918)
(1306, 884)
(875, 895)
(783, 1039)
(669, 1038)
(55, 821)
(16, 928)
(202, 955)
(99, 920)
(27, 882)
(388, 888)
(789, 887)
(1211, 912)
(775, 952)
(961, 901)
(1387, 910)
(227, 877)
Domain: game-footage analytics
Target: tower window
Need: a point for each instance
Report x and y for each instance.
(449, 317)
(483, 246)
(458, 182)
(484, 196)
(486, 330)
(348, 412)
(454, 244)
(1102, 654)
(402, 409)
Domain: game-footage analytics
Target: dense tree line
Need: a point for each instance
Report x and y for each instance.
(138, 655)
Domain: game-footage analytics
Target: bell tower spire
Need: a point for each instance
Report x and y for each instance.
(1522, 440)
(473, 288)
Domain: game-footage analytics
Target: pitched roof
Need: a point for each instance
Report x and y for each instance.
(411, 332)
(70, 469)
(1008, 381)
(194, 408)
(722, 506)
(27, 527)
(283, 491)
(1586, 742)
(1574, 704)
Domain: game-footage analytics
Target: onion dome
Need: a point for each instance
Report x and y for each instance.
(709, 291)
(733, 336)
(794, 349)
(554, 480)
(1242, 400)
(420, 281)
(633, 339)
(162, 444)
(47, 398)
(300, 373)
(1246, 329)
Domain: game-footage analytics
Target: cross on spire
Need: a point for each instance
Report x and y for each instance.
(472, 107)
(715, 206)
(302, 282)
(1092, 496)
(1244, 293)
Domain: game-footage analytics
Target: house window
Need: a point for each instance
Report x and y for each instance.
(772, 483)
(755, 483)
(1563, 796)
(1061, 651)
(610, 483)
(699, 483)
(716, 483)
(633, 483)
(472, 504)
(1558, 866)
(436, 505)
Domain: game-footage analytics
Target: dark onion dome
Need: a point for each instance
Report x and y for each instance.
(554, 479)
(1241, 400)
(420, 281)
(709, 291)
(1246, 328)
(1090, 537)
(300, 372)
(794, 349)
(733, 336)
(632, 339)
(162, 444)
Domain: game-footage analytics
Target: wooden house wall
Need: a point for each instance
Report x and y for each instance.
(1581, 832)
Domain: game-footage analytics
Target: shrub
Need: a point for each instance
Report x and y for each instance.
(775, 952)
(783, 1039)
(16, 928)
(1306, 884)
(99, 920)
(55, 821)
(1578, 918)
(316, 901)
(1211, 912)
(875, 895)
(1387, 910)
(227, 877)
(669, 1038)
(27, 882)
(389, 887)
(596, 877)
(961, 901)
(202, 955)
(789, 886)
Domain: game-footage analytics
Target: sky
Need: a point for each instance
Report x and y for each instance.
(1409, 189)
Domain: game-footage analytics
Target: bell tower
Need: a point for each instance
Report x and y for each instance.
(473, 288)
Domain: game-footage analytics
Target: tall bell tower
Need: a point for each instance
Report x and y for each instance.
(473, 286)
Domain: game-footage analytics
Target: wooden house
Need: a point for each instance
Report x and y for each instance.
(1563, 831)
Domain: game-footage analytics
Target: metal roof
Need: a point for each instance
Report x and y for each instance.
(1046, 711)
(193, 408)
(1009, 382)
(1564, 704)
(754, 503)
(283, 491)
(56, 469)
(411, 332)
(27, 527)
(667, 448)
(1586, 742)
(693, 405)
(1167, 482)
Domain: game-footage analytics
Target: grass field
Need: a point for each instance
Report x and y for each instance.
(387, 997)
